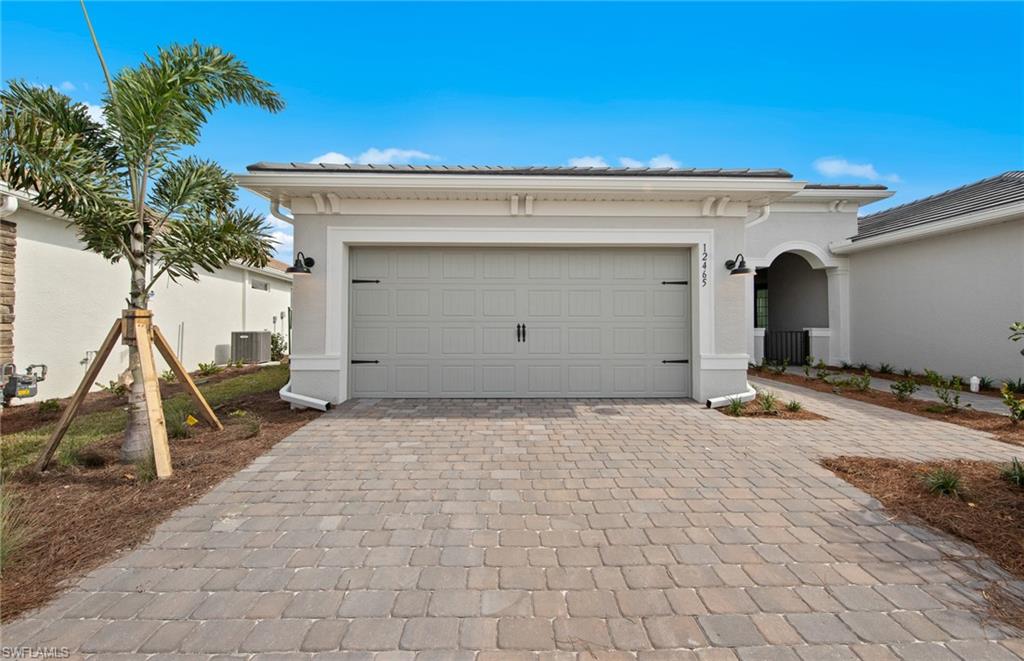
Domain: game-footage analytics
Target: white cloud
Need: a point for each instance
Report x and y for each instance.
(67, 86)
(285, 245)
(664, 161)
(835, 166)
(95, 113)
(628, 162)
(588, 162)
(375, 156)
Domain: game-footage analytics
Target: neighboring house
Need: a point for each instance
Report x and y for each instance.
(937, 282)
(58, 302)
(551, 282)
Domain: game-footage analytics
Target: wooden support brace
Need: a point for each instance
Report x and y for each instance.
(88, 380)
(164, 347)
(142, 323)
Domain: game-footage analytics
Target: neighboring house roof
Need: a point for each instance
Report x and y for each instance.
(1003, 189)
(264, 166)
(277, 265)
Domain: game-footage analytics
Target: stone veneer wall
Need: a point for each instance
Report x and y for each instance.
(8, 240)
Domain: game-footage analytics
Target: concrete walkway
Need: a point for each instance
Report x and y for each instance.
(545, 530)
(927, 393)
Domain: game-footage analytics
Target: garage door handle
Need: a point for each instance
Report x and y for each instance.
(357, 281)
(675, 282)
(681, 360)
(519, 332)
(365, 362)
(524, 332)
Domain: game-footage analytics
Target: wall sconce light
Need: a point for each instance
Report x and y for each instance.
(302, 264)
(739, 266)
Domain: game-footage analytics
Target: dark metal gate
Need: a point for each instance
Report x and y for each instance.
(789, 346)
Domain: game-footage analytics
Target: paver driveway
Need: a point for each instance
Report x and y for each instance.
(547, 530)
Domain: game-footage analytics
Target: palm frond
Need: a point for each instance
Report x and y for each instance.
(193, 185)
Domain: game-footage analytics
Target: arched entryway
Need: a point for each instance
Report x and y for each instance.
(791, 309)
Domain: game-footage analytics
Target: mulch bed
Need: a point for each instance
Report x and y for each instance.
(1000, 426)
(989, 514)
(753, 409)
(77, 518)
(921, 379)
(27, 415)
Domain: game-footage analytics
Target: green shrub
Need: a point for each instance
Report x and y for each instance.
(278, 346)
(115, 388)
(252, 425)
(794, 406)
(1016, 386)
(943, 481)
(208, 369)
(775, 367)
(735, 407)
(168, 376)
(860, 383)
(49, 407)
(809, 365)
(846, 365)
(863, 367)
(176, 419)
(904, 389)
(886, 368)
(986, 383)
(1014, 473)
(948, 390)
(1014, 405)
(145, 470)
(767, 400)
(909, 373)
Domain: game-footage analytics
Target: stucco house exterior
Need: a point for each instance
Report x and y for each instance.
(552, 282)
(936, 283)
(58, 301)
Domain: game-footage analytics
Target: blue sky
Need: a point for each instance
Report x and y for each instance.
(918, 96)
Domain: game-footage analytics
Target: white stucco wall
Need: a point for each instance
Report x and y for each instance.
(942, 303)
(67, 299)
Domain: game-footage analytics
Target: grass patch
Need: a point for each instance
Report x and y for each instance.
(21, 448)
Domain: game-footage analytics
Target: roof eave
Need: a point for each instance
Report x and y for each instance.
(992, 216)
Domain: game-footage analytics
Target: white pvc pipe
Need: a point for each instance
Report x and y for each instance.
(302, 400)
(9, 206)
(719, 402)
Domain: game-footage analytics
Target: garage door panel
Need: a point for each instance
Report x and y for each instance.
(442, 322)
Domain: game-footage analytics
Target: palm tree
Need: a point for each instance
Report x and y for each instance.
(126, 186)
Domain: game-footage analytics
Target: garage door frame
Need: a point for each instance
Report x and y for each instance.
(338, 240)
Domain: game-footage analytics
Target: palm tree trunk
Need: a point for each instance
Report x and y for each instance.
(138, 442)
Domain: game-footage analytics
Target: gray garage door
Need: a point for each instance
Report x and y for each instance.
(529, 322)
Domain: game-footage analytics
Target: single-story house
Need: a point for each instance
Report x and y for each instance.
(558, 281)
(937, 282)
(58, 301)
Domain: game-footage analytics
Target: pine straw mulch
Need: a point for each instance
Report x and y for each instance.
(1000, 426)
(989, 514)
(753, 409)
(27, 415)
(76, 518)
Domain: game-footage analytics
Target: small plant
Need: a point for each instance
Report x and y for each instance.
(948, 390)
(774, 367)
(145, 470)
(809, 365)
(115, 388)
(904, 389)
(252, 424)
(863, 367)
(886, 368)
(12, 533)
(176, 419)
(943, 481)
(1014, 473)
(821, 370)
(1015, 406)
(86, 457)
(208, 369)
(986, 383)
(278, 346)
(846, 365)
(168, 376)
(49, 407)
(237, 413)
(768, 401)
(1016, 386)
(860, 383)
(909, 373)
(735, 407)
(794, 406)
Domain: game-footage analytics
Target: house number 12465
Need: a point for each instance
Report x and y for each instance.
(703, 265)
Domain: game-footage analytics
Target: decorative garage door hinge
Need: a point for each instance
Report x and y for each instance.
(363, 282)
(365, 362)
(681, 360)
(675, 282)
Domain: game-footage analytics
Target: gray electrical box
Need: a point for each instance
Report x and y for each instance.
(250, 346)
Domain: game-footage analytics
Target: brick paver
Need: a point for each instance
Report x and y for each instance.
(548, 530)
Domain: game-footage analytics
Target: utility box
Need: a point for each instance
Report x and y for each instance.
(250, 346)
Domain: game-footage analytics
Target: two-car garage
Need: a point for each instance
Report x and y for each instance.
(519, 322)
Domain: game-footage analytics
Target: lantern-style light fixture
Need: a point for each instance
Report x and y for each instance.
(302, 265)
(739, 266)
